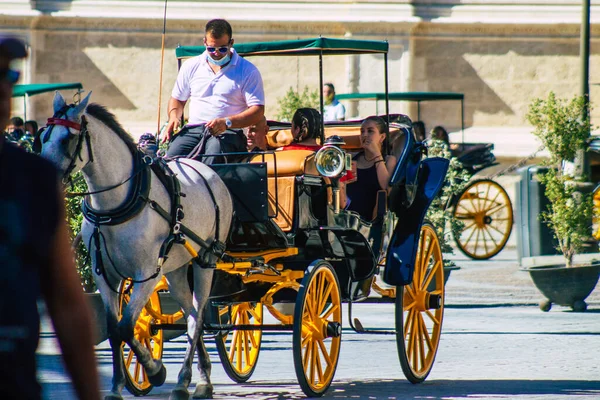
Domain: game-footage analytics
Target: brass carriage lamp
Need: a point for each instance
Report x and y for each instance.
(333, 162)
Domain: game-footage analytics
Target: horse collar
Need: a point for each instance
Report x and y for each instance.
(136, 200)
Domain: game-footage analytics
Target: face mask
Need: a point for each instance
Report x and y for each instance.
(328, 99)
(221, 62)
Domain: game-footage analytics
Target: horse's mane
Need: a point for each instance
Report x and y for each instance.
(107, 118)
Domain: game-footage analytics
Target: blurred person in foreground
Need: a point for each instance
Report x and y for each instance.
(36, 262)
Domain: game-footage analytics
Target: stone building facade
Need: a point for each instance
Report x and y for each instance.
(500, 54)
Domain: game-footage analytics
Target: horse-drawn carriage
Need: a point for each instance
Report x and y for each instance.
(483, 205)
(272, 223)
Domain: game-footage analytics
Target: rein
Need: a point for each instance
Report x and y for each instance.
(146, 160)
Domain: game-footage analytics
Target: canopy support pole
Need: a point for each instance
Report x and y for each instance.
(322, 133)
(387, 102)
(462, 119)
(25, 98)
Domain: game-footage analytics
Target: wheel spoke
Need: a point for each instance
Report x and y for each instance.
(325, 297)
(325, 353)
(493, 210)
(431, 274)
(422, 334)
(426, 335)
(318, 362)
(240, 348)
(471, 235)
(496, 229)
(234, 341)
(129, 358)
(330, 311)
(136, 372)
(312, 364)
(432, 317)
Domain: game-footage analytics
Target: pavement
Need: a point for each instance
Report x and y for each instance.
(500, 281)
(496, 344)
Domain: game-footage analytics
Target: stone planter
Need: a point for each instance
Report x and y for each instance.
(565, 286)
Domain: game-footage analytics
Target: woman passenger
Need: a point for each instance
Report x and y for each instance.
(306, 128)
(373, 169)
(439, 133)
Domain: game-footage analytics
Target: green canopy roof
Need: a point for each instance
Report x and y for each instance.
(402, 96)
(301, 47)
(37, 88)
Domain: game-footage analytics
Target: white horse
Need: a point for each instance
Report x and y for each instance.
(88, 138)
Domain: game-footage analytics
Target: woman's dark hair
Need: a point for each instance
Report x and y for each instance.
(419, 129)
(309, 121)
(439, 133)
(34, 126)
(382, 127)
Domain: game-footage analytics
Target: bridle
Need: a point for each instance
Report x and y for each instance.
(60, 118)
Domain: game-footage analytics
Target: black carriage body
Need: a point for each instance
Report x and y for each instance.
(350, 244)
(343, 242)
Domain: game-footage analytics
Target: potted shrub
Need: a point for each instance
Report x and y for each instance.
(563, 127)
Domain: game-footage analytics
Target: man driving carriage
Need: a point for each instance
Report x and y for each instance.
(226, 94)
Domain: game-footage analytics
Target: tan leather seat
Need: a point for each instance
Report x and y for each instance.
(289, 162)
(282, 190)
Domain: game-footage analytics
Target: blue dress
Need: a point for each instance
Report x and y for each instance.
(362, 194)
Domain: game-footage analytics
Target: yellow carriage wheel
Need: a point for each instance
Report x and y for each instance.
(239, 349)
(486, 211)
(596, 215)
(317, 329)
(420, 309)
(136, 380)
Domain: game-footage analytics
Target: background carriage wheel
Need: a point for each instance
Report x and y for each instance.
(136, 380)
(317, 329)
(420, 309)
(239, 350)
(485, 209)
(596, 215)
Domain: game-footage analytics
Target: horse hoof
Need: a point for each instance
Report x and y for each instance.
(203, 392)
(179, 394)
(159, 378)
(113, 396)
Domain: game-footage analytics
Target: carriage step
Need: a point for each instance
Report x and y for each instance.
(358, 327)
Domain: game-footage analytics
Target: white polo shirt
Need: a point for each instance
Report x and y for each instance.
(230, 91)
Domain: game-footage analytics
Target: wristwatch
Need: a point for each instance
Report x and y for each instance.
(228, 123)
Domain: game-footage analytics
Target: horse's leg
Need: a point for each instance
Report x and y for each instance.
(111, 305)
(139, 297)
(202, 284)
(180, 289)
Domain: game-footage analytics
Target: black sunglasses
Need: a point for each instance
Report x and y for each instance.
(221, 49)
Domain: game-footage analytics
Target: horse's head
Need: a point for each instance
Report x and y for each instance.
(65, 139)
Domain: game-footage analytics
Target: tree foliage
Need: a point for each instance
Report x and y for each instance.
(563, 126)
(74, 219)
(293, 100)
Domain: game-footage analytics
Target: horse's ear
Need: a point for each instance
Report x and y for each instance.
(82, 104)
(59, 101)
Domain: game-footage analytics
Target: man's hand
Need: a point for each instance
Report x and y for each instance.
(172, 126)
(217, 126)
